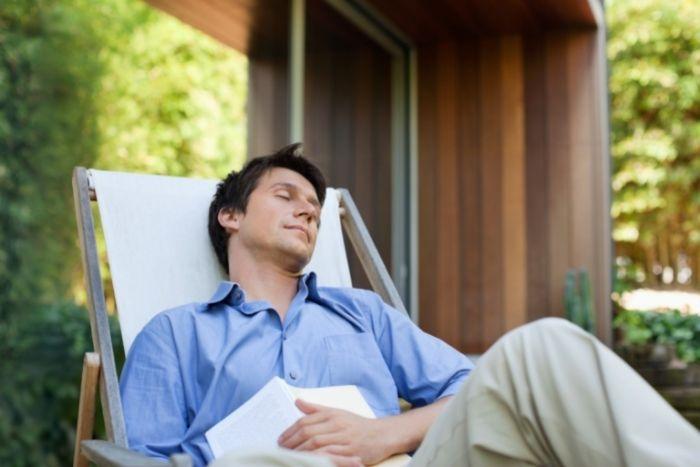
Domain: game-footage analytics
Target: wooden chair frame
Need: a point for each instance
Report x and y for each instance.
(100, 365)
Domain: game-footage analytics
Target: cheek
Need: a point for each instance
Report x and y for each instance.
(314, 236)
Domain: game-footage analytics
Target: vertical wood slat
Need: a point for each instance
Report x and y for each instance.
(268, 118)
(537, 173)
(471, 279)
(86, 406)
(428, 220)
(602, 233)
(514, 210)
(559, 162)
(447, 269)
(580, 92)
(491, 169)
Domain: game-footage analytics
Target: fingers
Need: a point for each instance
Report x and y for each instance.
(319, 441)
(335, 449)
(306, 433)
(302, 423)
(345, 461)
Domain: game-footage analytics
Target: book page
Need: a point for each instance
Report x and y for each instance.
(339, 397)
(256, 423)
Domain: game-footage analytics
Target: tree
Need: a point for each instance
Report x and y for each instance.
(49, 79)
(174, 102)
(109, 83)
(654, 54)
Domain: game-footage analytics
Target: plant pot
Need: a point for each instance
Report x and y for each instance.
(648, 355)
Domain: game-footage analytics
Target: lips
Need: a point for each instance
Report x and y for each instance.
(300, 228)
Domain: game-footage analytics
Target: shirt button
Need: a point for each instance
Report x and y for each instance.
(284, 336)
(293, 375)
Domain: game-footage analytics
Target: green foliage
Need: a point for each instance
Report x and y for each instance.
(578, 303)
(654, 52)
(41, 369)
(48, 81)
(174, 102)
(669, 327)
(109, 83)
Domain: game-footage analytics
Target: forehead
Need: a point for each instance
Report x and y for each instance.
(279, 177)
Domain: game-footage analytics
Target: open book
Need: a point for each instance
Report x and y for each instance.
(264, 417)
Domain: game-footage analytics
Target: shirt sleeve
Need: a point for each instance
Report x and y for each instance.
(424, 367)
(152, 393)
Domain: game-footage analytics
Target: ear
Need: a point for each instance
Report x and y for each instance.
(230, 220)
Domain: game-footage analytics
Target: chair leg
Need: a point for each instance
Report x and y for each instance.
(86, 409)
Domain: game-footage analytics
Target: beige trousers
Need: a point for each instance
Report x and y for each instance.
(546, 394)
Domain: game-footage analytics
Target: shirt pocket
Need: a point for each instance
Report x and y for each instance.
(356, 359)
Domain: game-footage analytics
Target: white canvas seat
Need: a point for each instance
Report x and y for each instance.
(160, 256)
(172, 262)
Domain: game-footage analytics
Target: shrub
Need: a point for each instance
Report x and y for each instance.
(662, 327)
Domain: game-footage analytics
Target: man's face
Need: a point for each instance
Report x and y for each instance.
(281, 219)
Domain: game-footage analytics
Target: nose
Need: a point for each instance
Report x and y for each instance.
(305, 209)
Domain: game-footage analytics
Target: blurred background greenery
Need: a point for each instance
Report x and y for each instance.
(111, 84)
(654, 56)
(114, 84)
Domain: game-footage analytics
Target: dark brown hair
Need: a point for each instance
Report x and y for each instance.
(233, 192)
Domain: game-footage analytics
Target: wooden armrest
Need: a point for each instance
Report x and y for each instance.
(107, 454)
(86, 409)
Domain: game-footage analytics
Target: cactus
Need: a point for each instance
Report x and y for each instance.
(578, 303)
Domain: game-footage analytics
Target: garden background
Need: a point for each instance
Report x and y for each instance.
(117, 85)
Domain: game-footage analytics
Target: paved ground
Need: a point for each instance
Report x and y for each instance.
(648, 299)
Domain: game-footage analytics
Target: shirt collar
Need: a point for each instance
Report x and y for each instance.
(233, 295)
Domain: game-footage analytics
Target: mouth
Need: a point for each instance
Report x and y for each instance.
(299, 228)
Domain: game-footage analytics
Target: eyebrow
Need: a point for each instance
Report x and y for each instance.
(293, 187)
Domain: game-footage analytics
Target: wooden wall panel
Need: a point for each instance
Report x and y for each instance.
(427, 196)
(518, 118)
(470, 186)
(347, 133)
(514, 209)
(567, 150)
(490, 132)
(268, 97)
(536, 175)
(513, 159)
(447, 206)
(557, 153)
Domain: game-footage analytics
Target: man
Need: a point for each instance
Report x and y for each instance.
(545, 394)
(192, 366)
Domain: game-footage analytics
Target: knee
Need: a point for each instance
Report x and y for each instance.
(552, 327)
(543, 333)
(548, 327)
(553, 324)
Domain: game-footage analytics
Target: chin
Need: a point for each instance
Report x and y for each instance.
(296, 258)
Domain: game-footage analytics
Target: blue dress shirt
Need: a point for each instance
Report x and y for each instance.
(193, 365)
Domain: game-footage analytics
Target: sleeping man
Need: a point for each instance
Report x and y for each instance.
(545, 394)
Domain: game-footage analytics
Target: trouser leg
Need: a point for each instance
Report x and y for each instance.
(549, 393)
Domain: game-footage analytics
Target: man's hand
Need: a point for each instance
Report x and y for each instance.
(338, 433)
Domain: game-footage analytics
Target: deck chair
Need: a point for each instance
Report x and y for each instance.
(158, 249)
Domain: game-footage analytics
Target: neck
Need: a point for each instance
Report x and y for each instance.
(263, 280)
